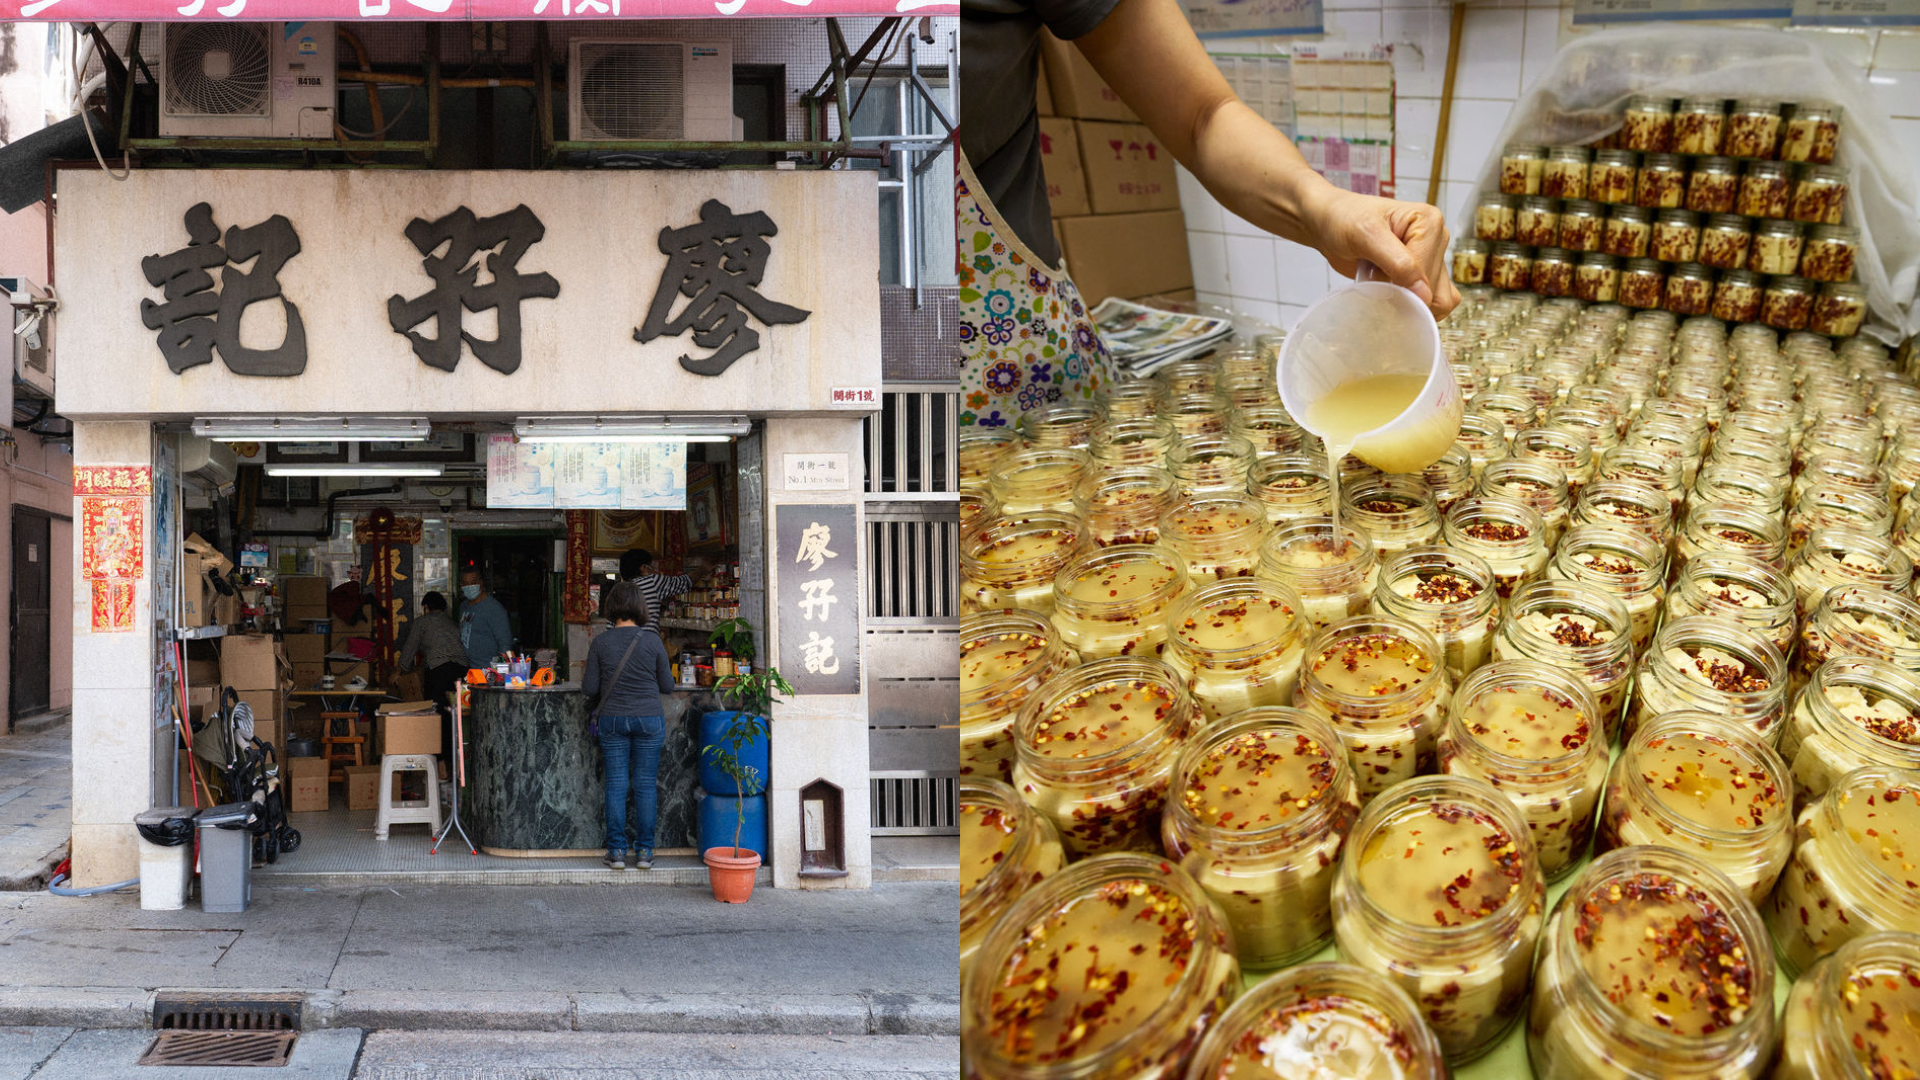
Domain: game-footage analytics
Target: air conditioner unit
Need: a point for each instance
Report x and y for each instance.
(209, 464)
(32, 348)
(234, 80)
(643, 90)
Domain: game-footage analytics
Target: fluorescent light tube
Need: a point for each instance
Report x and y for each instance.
(347, 468)
(313, 428)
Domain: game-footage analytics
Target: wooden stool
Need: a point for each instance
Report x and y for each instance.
(341, 750)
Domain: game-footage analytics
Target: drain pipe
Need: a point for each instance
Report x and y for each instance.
(60, 875)
(333, 511)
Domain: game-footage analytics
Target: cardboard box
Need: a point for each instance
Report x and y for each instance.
(225, 609)
(193, 588)
(1077, 89)
(1043, 94)
(305, 648)
(203, 672)
(1127, 169)
(307, 789)
(306, 675)
(402, 730)
(363, 787)
(266, 704)
(250, 662)
(1127, 254)
(343, 670)
(273, 733)
(307, 592)
(1060, 159)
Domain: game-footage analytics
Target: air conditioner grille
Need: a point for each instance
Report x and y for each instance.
(219, 69)
(632, 90)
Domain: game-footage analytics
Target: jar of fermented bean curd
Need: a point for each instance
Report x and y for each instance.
(1510, 536)
(1494, 219)
(1662, 184)
(1753, 129)
(1113, 601)
(1449, 594)
(1332, 1020)
(1038, 478)
(1010, 562)
(1844, 1016)
(981, 449)
(1696, 1004)
(1334, 577)
(1004, 657)
(1093, 748)
(1292, 486)
(1579, 628)
(1813, 133)
(1006, 848)
(1111, 969)
(1852, 867)
(1859, 621)
(1565, 173)
(1714, 526)
(1521, 168)
(1854, 712)
(1440, 891)
(1123, 505)
(1739, 589)
(1130, 399)
(1218, 533)
(1627, 566)
(1258, 809)
(1716, 666)
(1692, 780)
(1536, 485)
(1238, 644)
(1135, 442)
(1396, 513)
(1470, 261)
(1069, 424)
(1698, 124)
(1380, 682)
(1835, 557)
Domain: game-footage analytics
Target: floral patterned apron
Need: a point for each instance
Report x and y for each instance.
(1026, 340)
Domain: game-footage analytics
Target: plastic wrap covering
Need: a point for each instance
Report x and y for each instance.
(1583, 97)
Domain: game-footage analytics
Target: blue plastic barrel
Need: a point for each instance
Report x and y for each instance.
(755, 755)
(717, 818)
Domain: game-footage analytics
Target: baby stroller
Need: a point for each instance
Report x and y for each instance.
(253, 775)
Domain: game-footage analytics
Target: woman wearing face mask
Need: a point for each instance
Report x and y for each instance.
(484, 629)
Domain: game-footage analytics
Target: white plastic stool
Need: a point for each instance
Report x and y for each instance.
(412, 811)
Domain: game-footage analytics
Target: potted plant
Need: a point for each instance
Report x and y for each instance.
(730, 870)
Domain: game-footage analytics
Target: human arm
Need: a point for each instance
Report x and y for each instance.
(663, 671)
(411, 649)
(1148, 53)
(590, 679)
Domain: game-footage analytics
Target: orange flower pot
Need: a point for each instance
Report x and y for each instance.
(730, 871)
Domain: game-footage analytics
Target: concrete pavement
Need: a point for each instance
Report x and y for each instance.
(36, 800)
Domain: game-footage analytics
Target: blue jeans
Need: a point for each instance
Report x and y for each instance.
(631, 745)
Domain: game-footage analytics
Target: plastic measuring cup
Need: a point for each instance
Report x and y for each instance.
(1365, 329)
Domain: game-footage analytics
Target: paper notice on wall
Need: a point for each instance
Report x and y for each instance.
(1588, 12)
(586, 476)
(1253, 18)
(519, 474)
(1856, 13)
(1264, 81)
(653, 476)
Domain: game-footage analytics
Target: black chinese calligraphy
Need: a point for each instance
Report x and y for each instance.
(194, 321)
(456, 284)
(718, 264)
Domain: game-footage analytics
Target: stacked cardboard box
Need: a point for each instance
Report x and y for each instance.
(307, 789)
(303, 598)
(200, 603)
(1110, 183)
(408, 727)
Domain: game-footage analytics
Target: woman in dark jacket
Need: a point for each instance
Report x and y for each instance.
(632, 722)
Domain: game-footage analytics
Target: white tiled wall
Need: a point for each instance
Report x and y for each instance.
(1506, 45)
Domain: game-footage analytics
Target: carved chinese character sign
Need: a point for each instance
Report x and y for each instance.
(817, 574)
(456, 278)
(718, 264)
(195, 320)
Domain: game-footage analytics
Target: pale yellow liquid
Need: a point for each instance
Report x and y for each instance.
(1350, 410)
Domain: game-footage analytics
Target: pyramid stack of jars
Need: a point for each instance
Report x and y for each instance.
(1646, 629)
(1698, 207)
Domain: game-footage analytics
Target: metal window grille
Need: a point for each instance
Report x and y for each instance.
(913, 568)
(913, 444)
(918, 804)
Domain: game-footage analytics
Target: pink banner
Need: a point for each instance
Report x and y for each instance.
(451, 10)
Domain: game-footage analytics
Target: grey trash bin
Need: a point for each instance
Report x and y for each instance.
(226, 857)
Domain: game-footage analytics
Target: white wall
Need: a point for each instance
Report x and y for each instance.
(1505, 46)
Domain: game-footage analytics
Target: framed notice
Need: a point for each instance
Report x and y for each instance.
(1254, 18)
(1856, 13)
(519, 474)
(1591, 12)
(816, 567)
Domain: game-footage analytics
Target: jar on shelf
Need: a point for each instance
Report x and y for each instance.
(1450, 478)
(1689, 290)
(1736, 297)
(1495, 218)
(1829, 253)
(1724, 242)
(1292, 486)
(1268, 427)
(1328, 1011)
(1094, 746)
(1396, 513)
(1258, 810)
(1206, 464)
(1135, 441)
(1835, 1021)
(1537, 485)
(1611, 177)
(1662, 184)
(1069, 424)
(1835, 557)
(1463, 952)
(1713, 186)
(1643, 284)
(1537, 223)
(1850, 872)
(1648, 124)
(1628, 232)
(1010, 562)
(1698, 125)
(1698, 1003)
(1776, 248)
(1039, 1005)
(1382, 684)
(1765, 190)
(1862, 621)
(1625, 565)
(1565, 174)
(1855, 711)
(1449, 594)
(1521, 169)
(1676, 236)
(1006, 848)
(1580, 225)
(981, 449)
(1712, 665)
(1217, 533)
(1509, 535)
(1531, 730)
(1820, 195)
(1335, 578)
(1129, 399)
(1470, 261)
(1579, 628)
(1237, 644)
(1124, 505)
(1113, 601)
(1813, 133)
(1753, 129)
(1004, 657)
(1038, 478)
(1839, 310)
(1510, 267)
(1787, 303)
(1597, 279)
(1553, 272)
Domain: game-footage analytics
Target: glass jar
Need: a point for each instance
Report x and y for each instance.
(1698, 125)
(1463, 952)
(1334, 579)
(1597, 279)
(1113, 601)
(1450, 478)
(1068, 424)
(1136, 441)
(1820, 195)
(1038, 478)
(1697, 1004)
(1862, 621)
(1521, 169)
(1196, 413)
(1713, 186)
(1129, 399)
(1268, 427)
(1041, 1005)
(1093, 748)
(1736, 297)
(1565, 448)
(1634, 508)
(1776, 248)
(1643, 284)
(1648, 124)
(1834, 557)
(1829, 253)
(1724, 241)
(1579, 628)
(1565, 174)
(1553, 272)
(1712, 665)
(1260, 807)
(1292, 486)
(1854, 712)
(1764, 190)
(1835, 1023)
(1787, 303)
(1611, 177)
(1510, 268)
(1689, 290)
(1694, 781)
(1851, 873)
(1010, 562)
(1484, 438)
(1123, 505)
(1495, 218)
(1628, 232)
(1510, 536)
(1237, 644)
(1531, 731)
(1625, 565)
(981, 449)
(1580, 223)
(977, 506)
(1380, 682)
(1004, 657)
(1334, 1013)
(1813, 133)
(1449, 594)
(1676, 236)
(1217, 533)
(1753, 129)
(1470, 261)
(1839, 311)
(1540, 486)
(1006, 848)
(1739, 589)
(1207, 464)
(1396, 513)
(1662, 184)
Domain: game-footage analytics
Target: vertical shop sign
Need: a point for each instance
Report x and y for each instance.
(113, 526)
(816, 561)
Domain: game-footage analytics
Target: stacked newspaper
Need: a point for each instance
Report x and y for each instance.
(1142, 340)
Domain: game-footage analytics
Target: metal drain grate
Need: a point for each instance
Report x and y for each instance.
(221, 1048)
(226, 1012)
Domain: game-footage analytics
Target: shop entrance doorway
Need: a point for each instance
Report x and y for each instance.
(518, 570)
(32, 613)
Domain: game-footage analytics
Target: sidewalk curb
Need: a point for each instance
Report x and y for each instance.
(401, 1010)
(34, 878)
(75, 1007)
(707, 1014)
